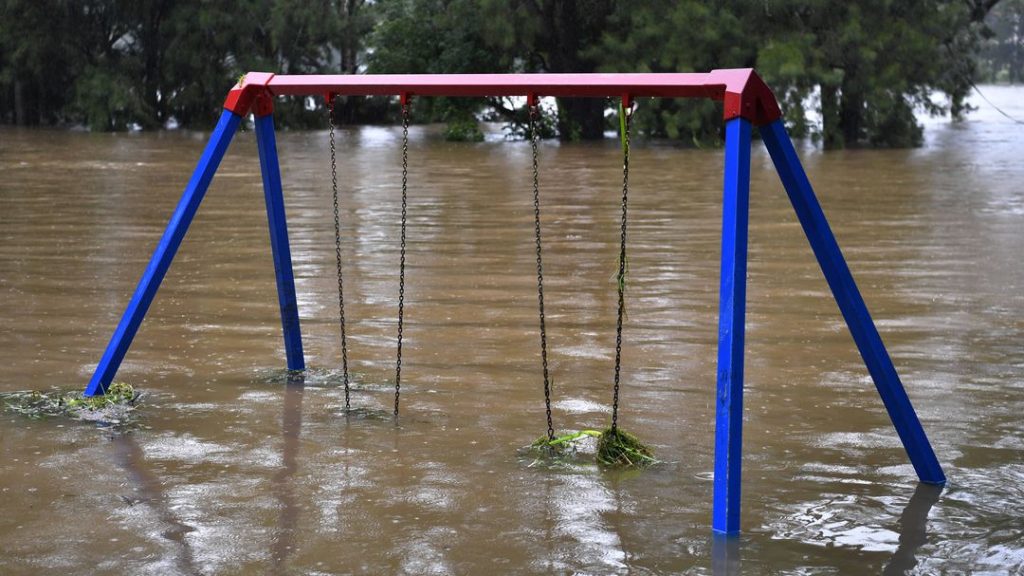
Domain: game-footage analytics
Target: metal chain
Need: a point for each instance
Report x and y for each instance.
(534, 135)
(401, 267)
(622, 267)
(337, 252)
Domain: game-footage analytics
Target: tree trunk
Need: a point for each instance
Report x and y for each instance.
(832, 136)
(350, 41)
(152, 60)
(851, 114)
(563, 37)
(19, 103)
(346, 109)
(581, 118)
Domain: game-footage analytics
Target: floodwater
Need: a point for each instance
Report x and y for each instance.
(234, 471)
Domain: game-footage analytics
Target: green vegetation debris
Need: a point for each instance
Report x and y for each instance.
(618, 448)
(621, 280)
(615, 448)
(113, 408)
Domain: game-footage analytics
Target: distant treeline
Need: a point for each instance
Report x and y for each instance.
(865, 65)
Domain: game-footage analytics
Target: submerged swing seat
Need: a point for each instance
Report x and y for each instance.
(747, 102)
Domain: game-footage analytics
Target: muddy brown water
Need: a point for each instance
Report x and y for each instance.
(233, 471)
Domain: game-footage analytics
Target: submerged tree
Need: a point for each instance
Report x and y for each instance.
(865, 64)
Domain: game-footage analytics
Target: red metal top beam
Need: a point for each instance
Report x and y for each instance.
(742, 91)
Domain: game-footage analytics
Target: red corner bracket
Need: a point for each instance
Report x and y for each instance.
(251, 90)
(746, 96)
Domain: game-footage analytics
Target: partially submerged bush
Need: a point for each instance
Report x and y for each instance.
(463, 130)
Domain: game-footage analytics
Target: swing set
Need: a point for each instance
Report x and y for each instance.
(747, 102)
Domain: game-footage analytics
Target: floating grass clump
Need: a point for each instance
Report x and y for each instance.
(114, 407)
(117, 393)
(616, 447)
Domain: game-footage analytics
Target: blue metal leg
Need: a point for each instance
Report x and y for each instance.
(731, 315)
(837, 273)
(164, 254)
(267, 145)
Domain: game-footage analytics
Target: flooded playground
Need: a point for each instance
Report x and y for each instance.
(234, 466)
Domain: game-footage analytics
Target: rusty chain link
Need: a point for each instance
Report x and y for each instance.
(534, 136)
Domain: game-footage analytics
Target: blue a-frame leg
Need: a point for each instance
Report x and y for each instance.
(851, 304)
(175, 233)
(164, 253)
(729, 405)
(267, 145)
(731, 315)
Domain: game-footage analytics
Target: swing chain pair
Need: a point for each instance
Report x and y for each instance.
(401, 269)
(534, 136)
(337, 250)
(627, 111)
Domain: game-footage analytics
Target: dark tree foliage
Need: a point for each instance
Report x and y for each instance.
(435, 37)
(556, 36)
(863, 66)
(111, 64)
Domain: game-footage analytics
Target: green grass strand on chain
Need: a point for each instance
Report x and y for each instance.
(622, 126)
(560, 443)
(622, 269)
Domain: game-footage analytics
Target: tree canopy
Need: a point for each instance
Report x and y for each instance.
(862, 66)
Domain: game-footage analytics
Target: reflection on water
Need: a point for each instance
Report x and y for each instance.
(726, 555)
(291, 429)
(147, 491)
(239, 471)
(913, 529)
